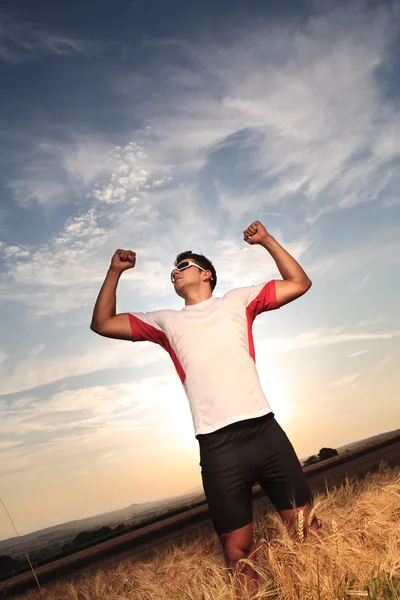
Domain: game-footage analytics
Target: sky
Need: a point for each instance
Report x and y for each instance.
(164, 127)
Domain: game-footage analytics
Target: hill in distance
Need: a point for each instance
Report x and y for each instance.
(365, 441)
(133, 514)
(57, 535)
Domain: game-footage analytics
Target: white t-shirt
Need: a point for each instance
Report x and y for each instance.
(211, 345)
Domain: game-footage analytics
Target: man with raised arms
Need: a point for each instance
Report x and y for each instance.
(211, 344)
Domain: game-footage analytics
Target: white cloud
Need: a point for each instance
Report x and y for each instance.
(130, 174)
(21, 41)
(322, 337)
(363, 282)
(132, 171)
(238, 266)
(15, 251)
(35, 185)
(85, 158)
(381, 249)
(54, 170)
(102, 355)
(7, 445)
(67, 272)
(359, 353)
(308, 96)
(382, 363)
(105, 416)
(310, 101)
(58, 276)
(369, 322)
(85, 407)
(346, 380)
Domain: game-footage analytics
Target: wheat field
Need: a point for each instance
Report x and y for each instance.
(356, 554)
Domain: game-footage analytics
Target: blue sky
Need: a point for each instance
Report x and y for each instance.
(166, 127)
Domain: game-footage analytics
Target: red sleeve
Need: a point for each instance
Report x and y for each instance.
(262, 297)
(145, 328)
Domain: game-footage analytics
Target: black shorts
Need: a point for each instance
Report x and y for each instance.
(234, 458)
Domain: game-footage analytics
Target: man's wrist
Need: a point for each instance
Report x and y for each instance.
(114, 272)
(267, 241)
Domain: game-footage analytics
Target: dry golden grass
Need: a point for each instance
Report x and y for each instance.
(355, 555)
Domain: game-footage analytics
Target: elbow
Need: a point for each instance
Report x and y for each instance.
(307, 285)
(95, 328)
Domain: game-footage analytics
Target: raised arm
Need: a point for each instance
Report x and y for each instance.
(105, 321)
(294, 282)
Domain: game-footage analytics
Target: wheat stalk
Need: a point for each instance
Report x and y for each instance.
(300, 525)
(336, 536)
(341, 562)
(311, 515)
(22, 545)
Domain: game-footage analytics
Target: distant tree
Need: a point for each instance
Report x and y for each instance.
(85, 537)
(311, 460)
(103, 531)
(325, 453)
(7, 564)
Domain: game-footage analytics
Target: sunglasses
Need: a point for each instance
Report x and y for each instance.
(185, 264)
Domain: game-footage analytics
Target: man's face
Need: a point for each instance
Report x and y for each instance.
(187, 278)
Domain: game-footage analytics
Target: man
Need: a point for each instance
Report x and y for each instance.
(211, 344)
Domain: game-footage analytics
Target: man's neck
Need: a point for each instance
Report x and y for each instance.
(195, 297)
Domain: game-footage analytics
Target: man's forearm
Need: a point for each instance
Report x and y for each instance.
(106, 303)
(288, 267)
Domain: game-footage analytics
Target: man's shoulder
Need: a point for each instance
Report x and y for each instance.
(163, 313)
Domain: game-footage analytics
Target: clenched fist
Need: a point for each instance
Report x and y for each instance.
(123, 260)
(255, 233)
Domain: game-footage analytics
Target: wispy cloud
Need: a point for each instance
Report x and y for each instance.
(306, 100)
(240, 266)
(58, 169)
(346, 380)
(359, 353)
(323, 337)
(382, 363)
(21, 41)
(86, 418)
(296, 110)
(132, 173)
(380, 250)
(370, 322)
(104, 354)
(8, 445)
(363, 282)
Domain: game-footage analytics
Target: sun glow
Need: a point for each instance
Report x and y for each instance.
(278, 393)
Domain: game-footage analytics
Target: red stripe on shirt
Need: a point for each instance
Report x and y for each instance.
(265, 300)
(143, 332)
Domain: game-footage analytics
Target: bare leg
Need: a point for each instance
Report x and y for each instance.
(239, 544)
(290, 518)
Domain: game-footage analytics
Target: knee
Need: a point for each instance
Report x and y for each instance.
(233, 553)
(314, 525)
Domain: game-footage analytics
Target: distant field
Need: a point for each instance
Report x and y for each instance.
(189, 525)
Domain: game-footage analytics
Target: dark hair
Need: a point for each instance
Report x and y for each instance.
(202, 261)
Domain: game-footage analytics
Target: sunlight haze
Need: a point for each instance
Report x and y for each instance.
(165, 127)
